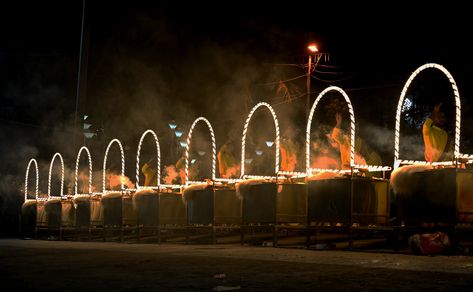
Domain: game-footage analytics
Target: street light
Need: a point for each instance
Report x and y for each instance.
(172, 125)
(269, 143)
(312, 48)
(178, 133)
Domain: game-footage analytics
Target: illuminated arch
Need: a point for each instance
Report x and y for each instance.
(83, 148)
(401, 102)
(158, 155)
(105, 163)
(214, 147)
(62, 174)
(37, 178)
(352, 125)
(243, 139)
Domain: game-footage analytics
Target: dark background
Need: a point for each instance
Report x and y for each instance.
(148, 62)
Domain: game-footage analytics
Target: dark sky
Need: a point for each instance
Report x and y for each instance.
(153, 61)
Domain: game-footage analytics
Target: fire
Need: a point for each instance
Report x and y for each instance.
(231, 172)
(325, 162)
(171, 174)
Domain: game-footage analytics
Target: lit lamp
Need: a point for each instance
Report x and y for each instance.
(269, 144)
(201, 153)
(183, 144)
(259, 152)
(178, 133)
(172, 124)
(312, 48)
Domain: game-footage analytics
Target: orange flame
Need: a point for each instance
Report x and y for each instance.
(171, 174)
(325, 162)
(231, 172)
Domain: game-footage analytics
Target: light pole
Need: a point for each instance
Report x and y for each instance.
(172, 125)
(312, 48)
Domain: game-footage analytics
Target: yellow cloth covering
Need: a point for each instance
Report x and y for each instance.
(288, 150)
(435, 141)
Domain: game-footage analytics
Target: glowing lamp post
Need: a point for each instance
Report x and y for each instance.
(172, 125)
(312, 48)
(178, 133)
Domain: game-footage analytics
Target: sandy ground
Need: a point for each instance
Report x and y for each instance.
(43, 265)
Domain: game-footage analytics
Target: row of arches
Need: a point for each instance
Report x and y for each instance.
(397, 160)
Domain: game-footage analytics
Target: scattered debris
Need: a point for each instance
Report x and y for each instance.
(429, 243)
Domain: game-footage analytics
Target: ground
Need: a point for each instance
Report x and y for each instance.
(44, 265)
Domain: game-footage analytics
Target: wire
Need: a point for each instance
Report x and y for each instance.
(332, 81)
(279, 81)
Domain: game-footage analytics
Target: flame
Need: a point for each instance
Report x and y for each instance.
(231, 172)
(171, 174)
(326, 162)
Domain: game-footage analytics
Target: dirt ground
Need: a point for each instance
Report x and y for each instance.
(42, 265)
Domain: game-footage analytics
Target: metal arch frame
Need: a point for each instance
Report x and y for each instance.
(158, 161)
(245, 129)
(76, 183)
(57, 154)
(37, 178)
(214, 147)
(105, 163)
(456, 152)
(352, 125)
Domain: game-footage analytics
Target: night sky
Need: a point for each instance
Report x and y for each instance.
(149, 62)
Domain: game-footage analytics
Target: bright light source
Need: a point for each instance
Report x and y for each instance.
(407, 104)
(259, 152)
(178, 133)
(248, 160)
(201, 153)
(172, 125)
(312, 48)
(183, 144)
(89, 135)
(193, 161)
(269, 143)
(86, 126)
(85, 117)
